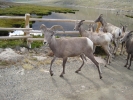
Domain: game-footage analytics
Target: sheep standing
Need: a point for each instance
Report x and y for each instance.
(128, 39)
(68, 47)
(100, 39)
(114, 30)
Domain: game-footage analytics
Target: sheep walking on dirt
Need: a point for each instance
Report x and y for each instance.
(100, 39)
(68, 47)
(114, 30)
(128, 39)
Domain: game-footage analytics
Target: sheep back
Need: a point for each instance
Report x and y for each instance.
(70, 47)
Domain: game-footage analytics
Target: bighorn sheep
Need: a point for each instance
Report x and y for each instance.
(128, 39)
(68, 47)
(98, 39)
(114, 30)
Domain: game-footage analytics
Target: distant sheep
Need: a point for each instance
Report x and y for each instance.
(99, 39)
(114, 30)
(68, 47)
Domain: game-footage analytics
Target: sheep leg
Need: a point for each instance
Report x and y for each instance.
(91, 57)
(130, 62)
(127, 60)
(64, 62)
(122, 45)
(114, 42)
(114, 49)
(110, 48)
(82, 57)
(51, 72)
(106, 49)
(115, 46)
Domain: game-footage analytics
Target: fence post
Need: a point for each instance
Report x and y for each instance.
(27, 18)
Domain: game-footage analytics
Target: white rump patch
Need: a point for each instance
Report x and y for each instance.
(90, 43)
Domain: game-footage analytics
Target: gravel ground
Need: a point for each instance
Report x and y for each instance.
(19, 83)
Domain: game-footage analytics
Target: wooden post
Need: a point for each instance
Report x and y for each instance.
(27, 18)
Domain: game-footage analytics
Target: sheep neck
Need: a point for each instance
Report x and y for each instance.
(53, 44)
(82, 31)
(104, 23)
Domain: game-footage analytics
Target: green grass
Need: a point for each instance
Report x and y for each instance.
(12, 23)
(10, 43)
(18, 42)
(129, 16)
(21, 9)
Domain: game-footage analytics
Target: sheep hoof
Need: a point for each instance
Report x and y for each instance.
(76, 71)
(128, 68)
(61, 75)
(51, 73)
(125, 66)
(100, 77)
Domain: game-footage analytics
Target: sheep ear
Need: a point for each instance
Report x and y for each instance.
(56, 27)
(43, 27)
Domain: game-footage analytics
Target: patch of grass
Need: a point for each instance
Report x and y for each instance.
(21, 9)
(129, 16)
(3, 63)
(11, 23)
(11, 43)
(36, 44)
(18, 42)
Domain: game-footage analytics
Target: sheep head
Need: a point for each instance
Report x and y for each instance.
(99, 19)
(127, 37)
(78, 24)
(49, 32)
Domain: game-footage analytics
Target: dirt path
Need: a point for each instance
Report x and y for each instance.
(17, 83)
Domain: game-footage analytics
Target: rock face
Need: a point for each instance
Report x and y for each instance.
(9, 56)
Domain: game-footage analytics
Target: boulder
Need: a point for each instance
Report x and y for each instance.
(10, 56)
